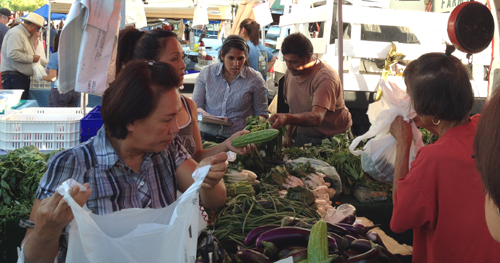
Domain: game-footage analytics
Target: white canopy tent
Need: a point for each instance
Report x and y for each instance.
(217, 9)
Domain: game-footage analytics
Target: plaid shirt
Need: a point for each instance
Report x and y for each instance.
(114, 185)
(244, 97)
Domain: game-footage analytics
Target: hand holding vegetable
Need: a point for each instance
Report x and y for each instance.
(401, 130)
(219, 167)
(279, 120)
(239, 150)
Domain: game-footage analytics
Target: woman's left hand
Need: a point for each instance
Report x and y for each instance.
(219, 167)
(402, 130)
(239, 150)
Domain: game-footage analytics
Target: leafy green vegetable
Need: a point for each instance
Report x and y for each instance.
(21, 171)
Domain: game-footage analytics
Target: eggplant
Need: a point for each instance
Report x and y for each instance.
(340, 242)
(364, 245)
(289, 250)
(339, 230)
(290, 236)
(370, 256)
(256, 232)
(350, 219)
(373, 236)
(357, 230)
(269, 249)
(250, 256)
(349, 238)
(299, 255)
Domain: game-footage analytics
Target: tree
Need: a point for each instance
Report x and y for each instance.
(22, 5)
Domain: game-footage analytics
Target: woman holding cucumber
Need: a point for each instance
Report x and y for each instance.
(486, 152)
(231, 89)
(163, 46)
(441, 196)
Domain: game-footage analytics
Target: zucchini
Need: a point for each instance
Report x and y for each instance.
(255, 137)
(317, 248)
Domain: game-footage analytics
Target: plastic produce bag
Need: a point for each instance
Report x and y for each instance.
(324, 168)
(379, 154)
(38, 71)
(168, 234)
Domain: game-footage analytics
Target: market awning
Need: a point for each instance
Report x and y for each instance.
(44, 11)
(217, 9)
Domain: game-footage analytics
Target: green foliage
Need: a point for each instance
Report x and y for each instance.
(20, 173)
(22, 5)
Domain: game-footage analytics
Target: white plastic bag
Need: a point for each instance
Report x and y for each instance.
(38, 71)
(168, 234)
(379, 154)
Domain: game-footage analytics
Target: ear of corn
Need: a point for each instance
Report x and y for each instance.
(255, 137)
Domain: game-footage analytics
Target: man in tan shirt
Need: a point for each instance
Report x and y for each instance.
(313, 91)
(18, 54)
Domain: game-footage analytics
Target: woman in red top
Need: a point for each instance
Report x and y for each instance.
(441, 196)
(487, 150)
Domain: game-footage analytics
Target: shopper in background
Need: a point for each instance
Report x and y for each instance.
(486, 152)
(163, 46)
(261, 59)
(56, 99)
(18, 54)
(313, 91)
(442, 192)
(5, 16)
(186, 33)
(53, 33)
(136, 160)
(230, 88)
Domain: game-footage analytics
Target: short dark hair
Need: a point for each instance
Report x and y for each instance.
(297, 44)
(439, 86)
(136, 44)
(487, 147)
(135, 93)
(234, 41)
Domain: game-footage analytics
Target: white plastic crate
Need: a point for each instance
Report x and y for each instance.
(35, 84)
(55, 110)
(45, 131)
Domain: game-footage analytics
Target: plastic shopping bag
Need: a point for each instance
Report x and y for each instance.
(38, 71)
(168, 234)
(379, 154)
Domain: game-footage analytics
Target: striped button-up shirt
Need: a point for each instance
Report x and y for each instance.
(244, 97)
(114, 185)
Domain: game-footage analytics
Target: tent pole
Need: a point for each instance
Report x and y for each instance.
(47, 40)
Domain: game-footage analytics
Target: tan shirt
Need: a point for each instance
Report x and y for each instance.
(18, 51)
(321, 88)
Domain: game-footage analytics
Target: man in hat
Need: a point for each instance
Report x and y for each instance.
(18, 54)
(5, 17)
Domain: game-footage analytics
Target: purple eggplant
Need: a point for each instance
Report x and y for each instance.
(339, 230)
(256, 232)
(341, 242)
(350, 219)
(250, 256)
(363, 245)
(371, 256)
(357, 230)
(289, 250)
(349, 238)
(299, 255)
(290, 236)
(373, 236)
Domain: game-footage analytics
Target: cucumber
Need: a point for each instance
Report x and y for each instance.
(255, 137)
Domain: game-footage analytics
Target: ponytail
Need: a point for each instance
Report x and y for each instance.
(127, 41)
(252, 28)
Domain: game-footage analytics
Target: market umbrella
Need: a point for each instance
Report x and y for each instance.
(44, 11)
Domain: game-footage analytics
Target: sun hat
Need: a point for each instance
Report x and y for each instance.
(35, 19)
(6, 12)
